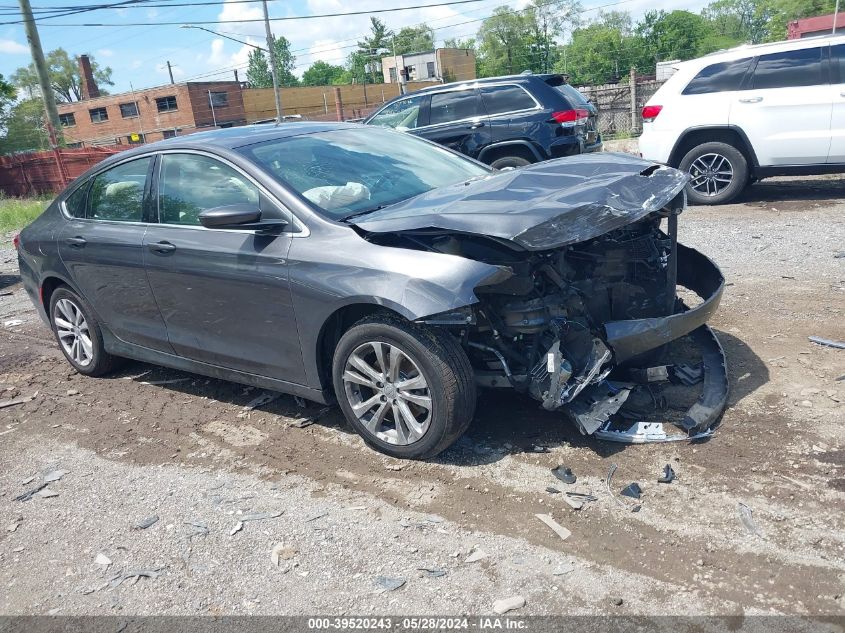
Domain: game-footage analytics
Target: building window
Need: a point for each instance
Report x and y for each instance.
(430, 68)
(218, 99)
(98, 115)
(393, 74)
(166, 104)
(169, 133)
(128, 110)
(136, 139)
(67, 120)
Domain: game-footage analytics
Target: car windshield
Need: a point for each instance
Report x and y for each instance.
(354, 171)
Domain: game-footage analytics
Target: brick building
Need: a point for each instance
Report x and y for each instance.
(144, 116)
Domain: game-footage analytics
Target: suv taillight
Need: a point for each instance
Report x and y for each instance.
(16, 241)
(577, 117)
(650, 112)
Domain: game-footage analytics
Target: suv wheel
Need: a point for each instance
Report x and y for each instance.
(78, 333)
(407, 390)
(718, 173)
(509, 161)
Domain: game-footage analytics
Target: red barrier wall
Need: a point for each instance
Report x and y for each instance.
(36, 173)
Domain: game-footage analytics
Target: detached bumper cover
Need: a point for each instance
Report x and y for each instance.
(695, 272)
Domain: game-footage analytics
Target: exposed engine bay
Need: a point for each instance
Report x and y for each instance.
(583, 327)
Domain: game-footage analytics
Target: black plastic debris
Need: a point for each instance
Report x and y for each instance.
(565, 474)
(632, 490)
(552, 490)
(688, 375)
(30, 493)
(668, 475)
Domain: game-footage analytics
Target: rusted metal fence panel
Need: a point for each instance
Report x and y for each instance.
(37, 173)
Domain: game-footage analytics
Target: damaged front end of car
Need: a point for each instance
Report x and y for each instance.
(581, 318)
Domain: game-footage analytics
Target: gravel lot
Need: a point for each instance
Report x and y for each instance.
(354, 524)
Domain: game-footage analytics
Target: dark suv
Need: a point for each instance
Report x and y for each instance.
(502, 121)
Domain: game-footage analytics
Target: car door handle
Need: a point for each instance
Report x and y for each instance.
(476, 125)
(75, 242)
(842, 94)
(162, 247)
(751, 100)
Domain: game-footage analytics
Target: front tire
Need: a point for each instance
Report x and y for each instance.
(718, 173)
(78, 333)
(408, 390)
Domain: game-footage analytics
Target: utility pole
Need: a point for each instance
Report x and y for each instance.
(44, 82)
(170, 72)
(271, 49)
(835, 15)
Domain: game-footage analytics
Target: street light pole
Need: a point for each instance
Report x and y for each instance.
(273, 74)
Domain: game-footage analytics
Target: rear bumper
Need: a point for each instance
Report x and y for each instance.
(656, 145)
(695, 272)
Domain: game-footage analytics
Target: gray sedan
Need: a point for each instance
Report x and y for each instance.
(372, 268)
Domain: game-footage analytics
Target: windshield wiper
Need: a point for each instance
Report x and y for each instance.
(364, 212)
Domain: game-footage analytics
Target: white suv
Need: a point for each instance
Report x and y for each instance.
(737, 116)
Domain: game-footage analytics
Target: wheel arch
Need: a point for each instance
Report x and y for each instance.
(335, 326)
(729, 134)
(48, 286)
(523, 149)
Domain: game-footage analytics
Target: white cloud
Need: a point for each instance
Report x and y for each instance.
(11, 47)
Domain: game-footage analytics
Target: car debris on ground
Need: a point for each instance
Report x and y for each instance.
(508, 604)
(556, 527)
(632, 490)
(565, 474)
(390, 584)
(747, 519)
(146, 522)
(668, 475)
(827, 342)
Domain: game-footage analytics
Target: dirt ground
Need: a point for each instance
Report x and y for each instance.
(150, 441)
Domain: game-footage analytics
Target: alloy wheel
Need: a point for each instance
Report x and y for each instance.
(72, 330)
(388, 393)
(711, 174)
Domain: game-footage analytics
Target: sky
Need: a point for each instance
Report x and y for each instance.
(137, 55)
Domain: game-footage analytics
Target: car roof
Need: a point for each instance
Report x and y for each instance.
(753, 50)
(486, 80)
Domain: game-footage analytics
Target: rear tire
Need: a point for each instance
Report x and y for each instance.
(78, 333)
(718, 173)
(372, 362)
(510, 161)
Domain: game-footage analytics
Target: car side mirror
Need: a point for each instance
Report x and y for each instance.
(230, 216)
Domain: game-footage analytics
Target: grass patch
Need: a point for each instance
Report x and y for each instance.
(16, 213)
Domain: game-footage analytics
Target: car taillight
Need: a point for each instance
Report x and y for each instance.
(577, 116)
(16, 241)
(650, 112)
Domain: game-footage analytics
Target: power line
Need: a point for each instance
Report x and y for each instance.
(247, 20)
(439, 28)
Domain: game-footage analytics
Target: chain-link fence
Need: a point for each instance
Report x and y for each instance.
(619, 111)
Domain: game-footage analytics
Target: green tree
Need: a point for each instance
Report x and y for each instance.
(503, 43)
(64, 77)
(743, 20)
(372, 48)
(7, 97)
(544, 22)
(674, 35)
(413, 40)
(321, 73)
(597, 54)
(778, 14)
(258, 67)
(23, 128)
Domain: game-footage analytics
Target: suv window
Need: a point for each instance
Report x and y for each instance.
(721, 77)
(573, 95)
(454, 106)
(789, 69)
(400, 114)
(118, 194)
(189, 184)
(500, 99)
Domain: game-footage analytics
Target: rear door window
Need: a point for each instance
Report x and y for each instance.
(789, 69)
(118, 194)
(75, 202)
(573, 95)
(502, 99)
(456, 105)
(721, 77)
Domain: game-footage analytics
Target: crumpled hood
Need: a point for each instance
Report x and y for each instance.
(541, 206)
